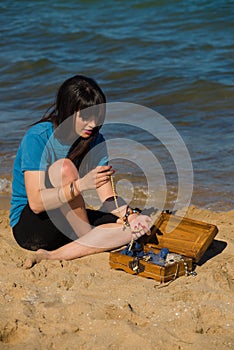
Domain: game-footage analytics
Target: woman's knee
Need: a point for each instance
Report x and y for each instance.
(62, 172)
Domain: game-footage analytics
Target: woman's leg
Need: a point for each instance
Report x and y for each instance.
(37, 231)
(61, 173)
(101, 238)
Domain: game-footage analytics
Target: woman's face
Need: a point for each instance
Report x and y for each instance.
(83, 127)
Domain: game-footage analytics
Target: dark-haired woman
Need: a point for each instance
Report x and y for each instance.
(60, 158)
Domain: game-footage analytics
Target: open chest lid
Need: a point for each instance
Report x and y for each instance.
(184, 236)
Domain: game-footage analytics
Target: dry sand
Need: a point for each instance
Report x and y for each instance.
(84, 304)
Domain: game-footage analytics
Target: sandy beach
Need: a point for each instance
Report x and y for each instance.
(84, 304)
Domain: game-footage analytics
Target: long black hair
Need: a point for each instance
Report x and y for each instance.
(76, 94)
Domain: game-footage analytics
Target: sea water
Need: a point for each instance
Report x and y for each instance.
(174, 57)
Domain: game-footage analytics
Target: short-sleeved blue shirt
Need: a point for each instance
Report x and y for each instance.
(37, 151)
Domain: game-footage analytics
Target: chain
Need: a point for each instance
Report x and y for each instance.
(117, 207)
(115, 195)
(187, 272)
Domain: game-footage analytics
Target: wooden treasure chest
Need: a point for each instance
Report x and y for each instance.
(172, 249)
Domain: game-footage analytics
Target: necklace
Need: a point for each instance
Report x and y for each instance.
(125, 217)
(114, 193)
(117, 207)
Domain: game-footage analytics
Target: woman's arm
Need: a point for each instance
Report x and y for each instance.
(66, 188)
(41, 198)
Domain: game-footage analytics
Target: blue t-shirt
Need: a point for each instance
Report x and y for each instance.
(37, 151)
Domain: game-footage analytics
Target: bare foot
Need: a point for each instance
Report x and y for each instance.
(40, 255)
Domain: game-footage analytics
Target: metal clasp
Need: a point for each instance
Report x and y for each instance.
(136, 266)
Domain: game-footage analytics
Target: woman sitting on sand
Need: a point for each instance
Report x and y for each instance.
(54, 167)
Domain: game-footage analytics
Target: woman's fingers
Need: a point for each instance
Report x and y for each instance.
(103, 168)
(138, 234)
(96, 177)
(102, 182)
(103, 175)
(140, 226)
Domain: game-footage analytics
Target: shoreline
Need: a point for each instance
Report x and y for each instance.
(214, 204)
(71, 304)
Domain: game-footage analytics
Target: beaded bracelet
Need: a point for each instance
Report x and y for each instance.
(129, 211)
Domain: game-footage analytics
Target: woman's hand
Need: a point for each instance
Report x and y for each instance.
(140, 225)
(95, 178)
